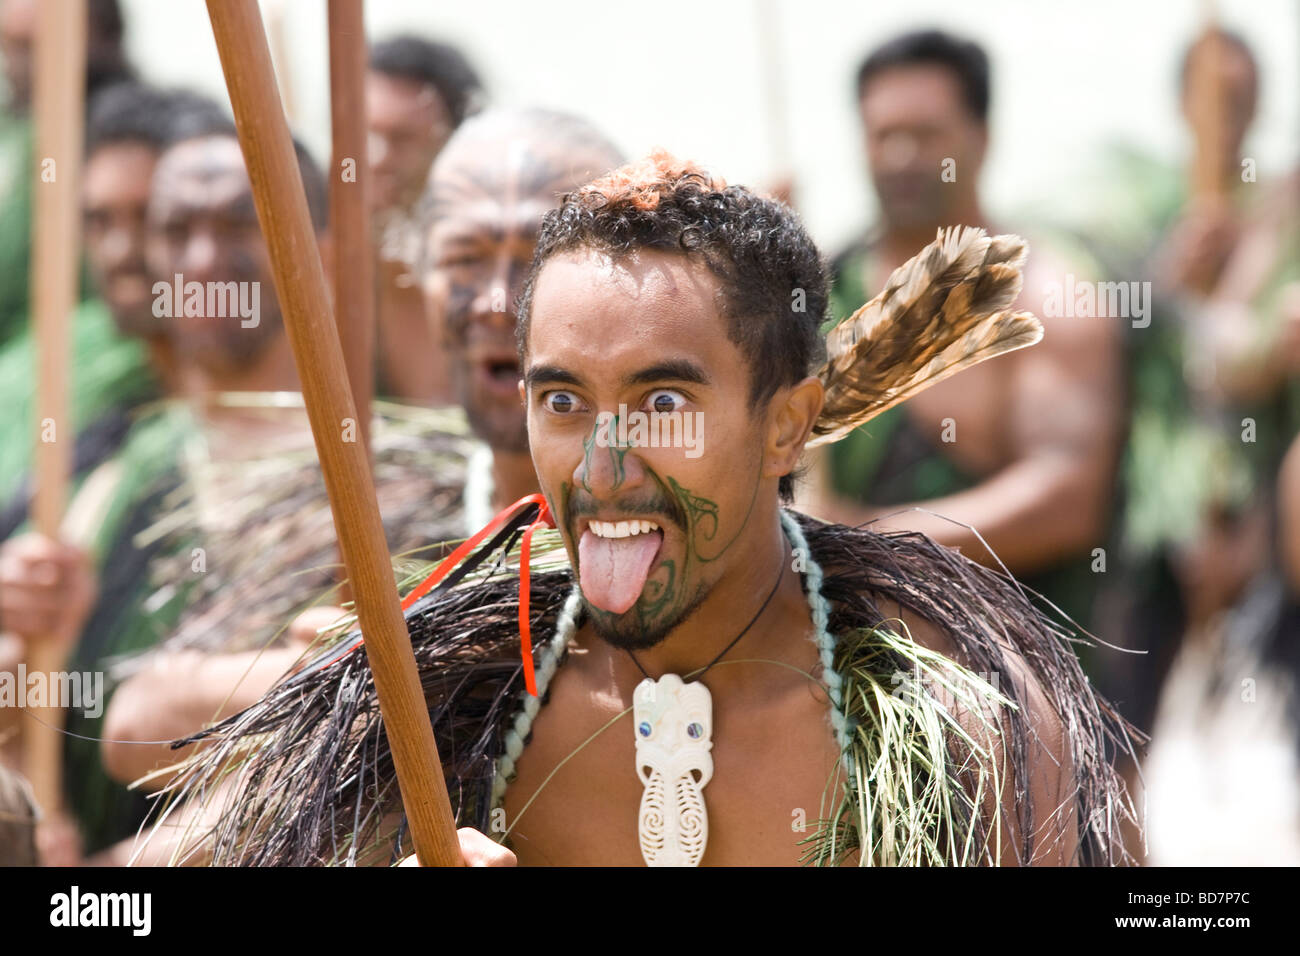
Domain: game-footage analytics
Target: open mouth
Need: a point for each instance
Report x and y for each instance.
(615, 559)
(500, 375)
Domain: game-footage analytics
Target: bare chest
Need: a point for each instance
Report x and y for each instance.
(576, 797)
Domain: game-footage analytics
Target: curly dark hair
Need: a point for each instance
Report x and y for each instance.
(773, 279)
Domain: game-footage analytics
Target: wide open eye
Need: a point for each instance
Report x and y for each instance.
(664, 400)
(561, 402)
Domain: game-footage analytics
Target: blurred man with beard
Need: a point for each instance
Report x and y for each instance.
(1021, 449)
(120, 355)
(204, 235)
(417, 93)
(90, 595)
(498, 176)
(250, 491)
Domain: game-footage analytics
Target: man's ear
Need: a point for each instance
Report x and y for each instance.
(795, 411)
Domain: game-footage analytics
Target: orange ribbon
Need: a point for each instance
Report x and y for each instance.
(544, 519)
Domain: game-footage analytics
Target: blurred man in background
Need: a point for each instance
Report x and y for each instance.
(417, 93)
(501, 172)
(121, 356)
(1191, 530)
(1020, 449)
(121, 359)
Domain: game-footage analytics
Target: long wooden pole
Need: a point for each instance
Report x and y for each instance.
(1208, 113)
(59, 108)
(354, 266)
(304, 300)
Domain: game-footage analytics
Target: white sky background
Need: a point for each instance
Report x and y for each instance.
(1069, 76)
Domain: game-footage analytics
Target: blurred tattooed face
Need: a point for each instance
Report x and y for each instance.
(490, 193)
(202, 225)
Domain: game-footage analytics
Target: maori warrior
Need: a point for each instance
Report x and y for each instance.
(683, 670)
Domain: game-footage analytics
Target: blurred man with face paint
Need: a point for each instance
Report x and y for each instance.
(120, 352)
(183, 206)
(250, 498)
(492, 185)
(495, 180)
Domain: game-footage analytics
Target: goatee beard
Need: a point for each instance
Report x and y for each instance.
(628, 632)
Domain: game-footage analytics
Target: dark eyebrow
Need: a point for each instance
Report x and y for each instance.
(550, 375)
(673, 370)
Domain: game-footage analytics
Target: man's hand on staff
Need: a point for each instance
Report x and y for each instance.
(47, 589)
(477, 848)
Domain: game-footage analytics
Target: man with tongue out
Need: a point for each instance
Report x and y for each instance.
(657, 290)
(720, 680)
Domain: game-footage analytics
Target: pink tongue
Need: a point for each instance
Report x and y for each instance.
(612, 571)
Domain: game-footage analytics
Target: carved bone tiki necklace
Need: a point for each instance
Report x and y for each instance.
(673, 724)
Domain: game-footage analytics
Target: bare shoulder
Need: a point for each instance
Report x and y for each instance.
(1048, 785)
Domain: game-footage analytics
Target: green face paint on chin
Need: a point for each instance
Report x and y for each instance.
(672, 591)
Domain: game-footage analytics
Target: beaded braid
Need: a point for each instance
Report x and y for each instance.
(825, 641)
(566, 625)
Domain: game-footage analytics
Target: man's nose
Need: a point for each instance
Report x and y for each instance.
(491, 306)
(202, 257)
(608, 467)
(494, 305)
(899, 151)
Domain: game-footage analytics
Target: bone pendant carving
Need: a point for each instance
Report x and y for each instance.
(673, 723)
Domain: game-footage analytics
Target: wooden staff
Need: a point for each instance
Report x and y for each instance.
(354, 267)
(304, 300)
(59, 108)
(1208, 113)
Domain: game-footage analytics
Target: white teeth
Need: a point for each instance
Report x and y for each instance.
(621, 529)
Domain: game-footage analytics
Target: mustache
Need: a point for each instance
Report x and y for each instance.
(581, 505)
